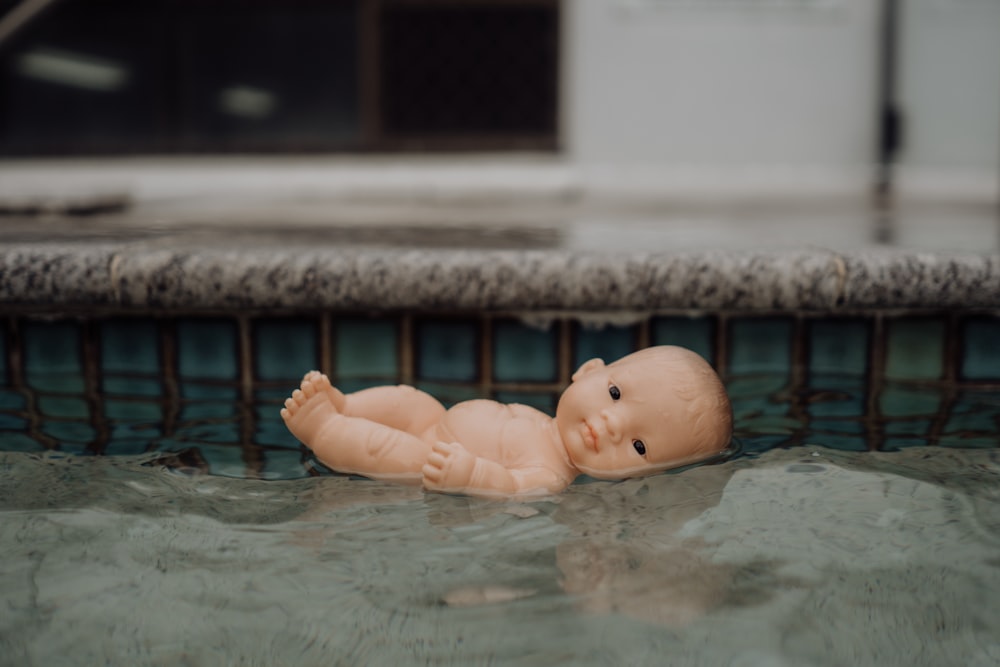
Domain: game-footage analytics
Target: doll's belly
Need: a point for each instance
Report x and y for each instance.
(480, 427)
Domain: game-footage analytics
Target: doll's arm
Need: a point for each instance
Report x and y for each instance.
(450, 468)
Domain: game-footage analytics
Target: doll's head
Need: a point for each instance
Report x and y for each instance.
(658, 408)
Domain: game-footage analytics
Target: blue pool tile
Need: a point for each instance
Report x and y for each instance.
(841, 402)
(271, 432)
(52, 356)
(757, 444)
(608, 343)
(148, 433)
(447, 351)
(838, 346)
(898, 401)
(130, 346)
(9, 422)
(696, 334)
(760, 346)
(66, 407)
(209, 409)
(759, 389)
(131, 386)
(197, 391)
(981, 349)
(12, 400)
(273, 396)
(915, 427)
(974, 419)
(144, 411)
(207, 348)
(285, 349)
(19, 442)
(69, 433)
(213, 431)
(524, 354)
(842, 426)
(366, 348)
(914, 349)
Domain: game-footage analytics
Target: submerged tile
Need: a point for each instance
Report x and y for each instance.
(608, 343)
(838, 347)
(285, 349)
(52, 352)
(65, 407)
(904, 401)
(73, 436)
(131, 386)
(366, 348)
(130, 346)
(207, 348)
(981, 349)
(696, 334)
(760, 346)
(914, 349)
(447, 350)
(523, 354)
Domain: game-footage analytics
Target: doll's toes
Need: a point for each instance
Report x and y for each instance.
(309, 389)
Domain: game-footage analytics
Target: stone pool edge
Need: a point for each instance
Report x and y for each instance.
(119, 276)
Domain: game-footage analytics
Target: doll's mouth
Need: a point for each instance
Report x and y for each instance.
(590, 436)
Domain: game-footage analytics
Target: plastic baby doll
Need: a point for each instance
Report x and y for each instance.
(658, 408)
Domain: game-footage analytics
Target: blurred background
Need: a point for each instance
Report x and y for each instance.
(670, 101)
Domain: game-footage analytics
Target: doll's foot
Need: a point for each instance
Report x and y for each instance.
(311, 407)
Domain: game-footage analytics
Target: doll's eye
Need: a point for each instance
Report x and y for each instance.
(639, 447)
(615, 392)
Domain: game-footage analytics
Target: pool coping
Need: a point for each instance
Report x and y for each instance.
(266, 275)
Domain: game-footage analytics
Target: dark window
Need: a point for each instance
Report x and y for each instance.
(468, 69)
(197, 76)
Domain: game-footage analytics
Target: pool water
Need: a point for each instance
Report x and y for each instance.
(801, 556)
(154, 509)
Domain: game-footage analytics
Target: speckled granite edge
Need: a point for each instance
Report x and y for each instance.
(128, 278)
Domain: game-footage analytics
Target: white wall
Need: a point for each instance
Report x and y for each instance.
(950, 84)
(713, 84)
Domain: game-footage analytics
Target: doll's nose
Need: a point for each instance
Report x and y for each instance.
(612, 424)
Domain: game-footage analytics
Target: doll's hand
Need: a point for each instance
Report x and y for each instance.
(449, 467)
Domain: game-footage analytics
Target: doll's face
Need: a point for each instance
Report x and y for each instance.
(626, 419)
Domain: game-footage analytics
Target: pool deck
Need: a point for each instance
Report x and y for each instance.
(529, 236)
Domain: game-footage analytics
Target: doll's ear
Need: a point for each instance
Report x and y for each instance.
(588, 367)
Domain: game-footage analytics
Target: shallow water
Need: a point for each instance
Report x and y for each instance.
(800, 556)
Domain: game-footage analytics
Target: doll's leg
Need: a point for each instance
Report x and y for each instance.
(400, 407)
(351, 444)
